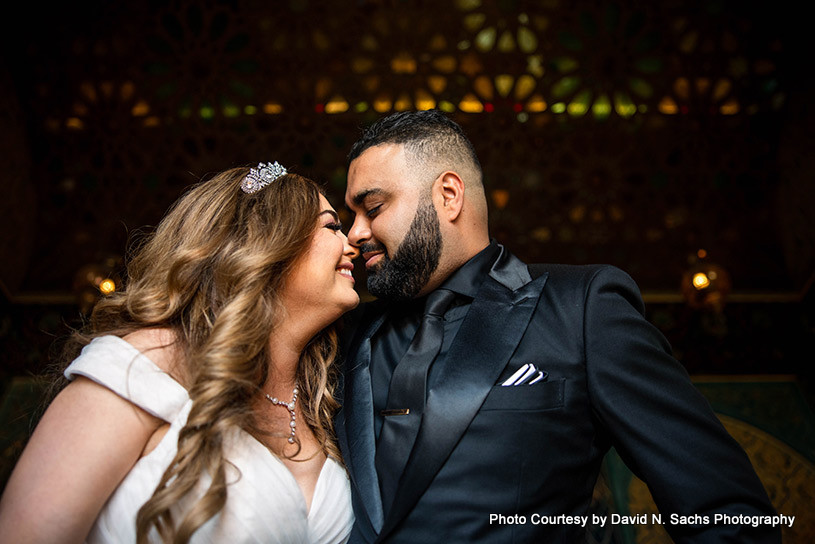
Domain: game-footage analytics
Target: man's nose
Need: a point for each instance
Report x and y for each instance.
(360, 231)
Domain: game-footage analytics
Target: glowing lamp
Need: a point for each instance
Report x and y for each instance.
(95, 280)
(700, 281)
(706, 286)
(107, 286)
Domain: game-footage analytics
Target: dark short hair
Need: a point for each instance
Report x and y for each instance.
(427, 133)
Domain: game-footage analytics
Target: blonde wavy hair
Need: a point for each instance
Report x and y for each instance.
(211, 272)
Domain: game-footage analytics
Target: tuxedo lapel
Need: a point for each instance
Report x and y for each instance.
(359, 424)
(495, 323)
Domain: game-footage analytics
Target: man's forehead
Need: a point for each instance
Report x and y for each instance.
(382, 152)
(378, 161)
(370, 179)
(383, 171)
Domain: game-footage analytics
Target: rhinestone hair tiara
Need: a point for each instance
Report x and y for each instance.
(263, 175)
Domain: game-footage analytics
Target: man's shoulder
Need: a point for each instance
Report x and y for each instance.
(574, 273)
(578, 274)
(574, 285)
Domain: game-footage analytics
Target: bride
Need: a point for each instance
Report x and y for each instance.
(200, 406)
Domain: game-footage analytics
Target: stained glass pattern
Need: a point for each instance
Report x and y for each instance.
(608, 131)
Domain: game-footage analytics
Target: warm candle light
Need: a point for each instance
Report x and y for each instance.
(107, 286)
(700, 281)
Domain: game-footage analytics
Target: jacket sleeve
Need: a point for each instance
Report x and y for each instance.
(661, 425)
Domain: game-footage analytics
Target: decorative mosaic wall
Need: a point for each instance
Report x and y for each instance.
(624, 132)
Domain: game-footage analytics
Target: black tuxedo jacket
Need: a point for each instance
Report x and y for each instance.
(484, 449)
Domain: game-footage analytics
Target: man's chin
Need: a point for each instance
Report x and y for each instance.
(378, 267)
(379, 287)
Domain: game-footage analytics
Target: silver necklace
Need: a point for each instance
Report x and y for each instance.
(288, 406)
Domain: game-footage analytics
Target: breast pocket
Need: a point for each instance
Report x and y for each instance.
(548, 395)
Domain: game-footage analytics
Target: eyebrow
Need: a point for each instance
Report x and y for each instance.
(332, 213)
(360, 197)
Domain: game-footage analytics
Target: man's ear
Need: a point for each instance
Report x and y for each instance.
(449, 195)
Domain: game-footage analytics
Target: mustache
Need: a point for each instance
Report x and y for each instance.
(369, 247)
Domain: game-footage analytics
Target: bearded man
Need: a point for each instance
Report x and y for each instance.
(480, 393)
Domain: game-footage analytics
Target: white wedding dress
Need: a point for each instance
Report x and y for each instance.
(264, 503)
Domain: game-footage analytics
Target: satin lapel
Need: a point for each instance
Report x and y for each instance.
(489, 335)
(359, 425)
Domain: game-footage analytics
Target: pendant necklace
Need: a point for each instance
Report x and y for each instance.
(288, 406)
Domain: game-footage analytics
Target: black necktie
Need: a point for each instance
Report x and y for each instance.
(406, 397)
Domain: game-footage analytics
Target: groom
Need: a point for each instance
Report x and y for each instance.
(480, 393)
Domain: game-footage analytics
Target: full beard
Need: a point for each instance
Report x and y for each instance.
(416, 258)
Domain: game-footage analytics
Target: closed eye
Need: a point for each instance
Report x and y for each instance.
(373, 211)
(335, 226)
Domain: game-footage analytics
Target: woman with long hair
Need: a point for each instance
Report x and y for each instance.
(200, 408)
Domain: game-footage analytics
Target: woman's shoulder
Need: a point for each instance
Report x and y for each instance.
(161, 346)
(130, 370)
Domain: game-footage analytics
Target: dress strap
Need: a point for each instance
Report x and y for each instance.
(117, 365)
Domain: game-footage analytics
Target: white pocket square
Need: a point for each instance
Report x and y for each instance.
(526, 375)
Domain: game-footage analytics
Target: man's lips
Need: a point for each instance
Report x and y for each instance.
(372, 258)
(372, 253)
